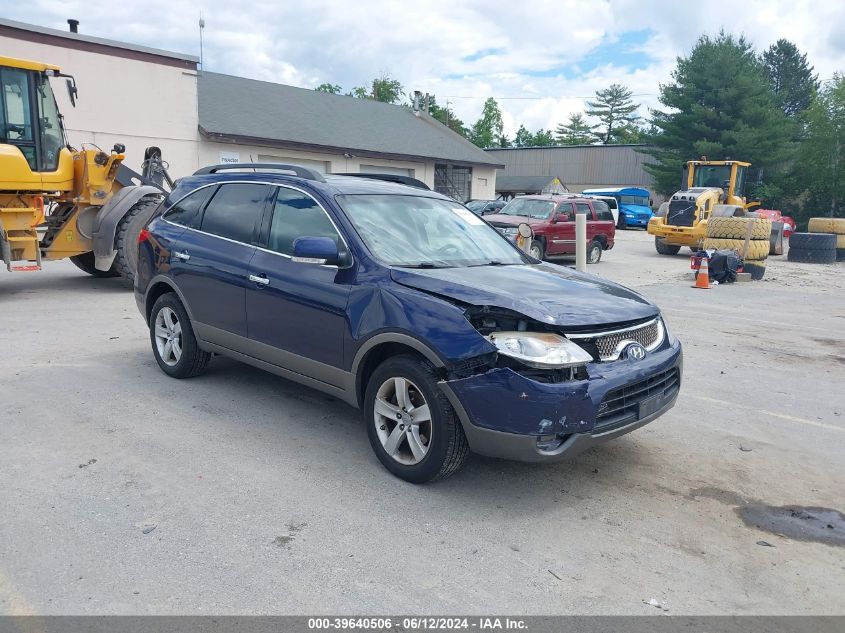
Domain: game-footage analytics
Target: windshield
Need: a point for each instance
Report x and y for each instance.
(424, 232)
(711, 175)
(476, 205)
(638, 200)
(529, 207)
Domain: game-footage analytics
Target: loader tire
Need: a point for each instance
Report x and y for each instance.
(85, 263)
(755, 269)
(840, 242)
(813, 241)
(736, 228)
(665, 249)
(827, 225)
(840, 254)
(758, 250)
(126, 239)
(727, 211)
(811, 256)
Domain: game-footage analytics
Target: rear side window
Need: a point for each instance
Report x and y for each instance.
(187, 211)
(602, 210)
(583, 207)
(297, 215)
(235, 210)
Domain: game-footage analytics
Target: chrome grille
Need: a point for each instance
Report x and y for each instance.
(609, 344)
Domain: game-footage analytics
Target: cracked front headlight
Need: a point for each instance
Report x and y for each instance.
(543, 350)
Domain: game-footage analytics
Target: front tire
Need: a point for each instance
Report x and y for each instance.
(411, 425)
(663, 248)
(174, 344)
(536, 250)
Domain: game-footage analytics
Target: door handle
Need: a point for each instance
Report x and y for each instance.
(258, 279)
(183, 256)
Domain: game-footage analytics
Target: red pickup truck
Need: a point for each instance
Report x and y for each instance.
(552, 217)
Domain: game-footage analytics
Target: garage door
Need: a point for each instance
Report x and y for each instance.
(320, 165)
(380, 169)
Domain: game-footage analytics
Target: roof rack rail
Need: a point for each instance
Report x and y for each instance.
(402, 180)
(299, 170)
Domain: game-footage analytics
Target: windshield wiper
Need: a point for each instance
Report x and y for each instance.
(423, 265)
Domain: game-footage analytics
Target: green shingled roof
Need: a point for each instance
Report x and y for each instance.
(250, 109)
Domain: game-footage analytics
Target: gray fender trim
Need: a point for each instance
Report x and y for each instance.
(395, 337)
(162, 279)
(110, 216)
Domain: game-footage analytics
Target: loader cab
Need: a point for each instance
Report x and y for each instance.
(29, 116)
(728, 175)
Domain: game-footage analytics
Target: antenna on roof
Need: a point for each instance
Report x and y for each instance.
(202, 26)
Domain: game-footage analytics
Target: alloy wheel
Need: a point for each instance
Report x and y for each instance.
(403, 421)
(168, 336)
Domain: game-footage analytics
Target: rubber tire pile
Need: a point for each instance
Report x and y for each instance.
(728, 233)
(824, 244)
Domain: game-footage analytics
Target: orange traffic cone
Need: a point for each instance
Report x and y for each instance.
(702, 279)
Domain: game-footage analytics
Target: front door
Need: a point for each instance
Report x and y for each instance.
(210, 263)
(562, 231)
(297, 311)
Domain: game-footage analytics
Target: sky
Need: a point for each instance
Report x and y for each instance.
(540, 59)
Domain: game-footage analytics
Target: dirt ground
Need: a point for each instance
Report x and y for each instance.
(126, 492)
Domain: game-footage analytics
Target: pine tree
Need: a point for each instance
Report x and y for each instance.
(719, 105)
(791, 77)
(523, 137)
(614, 109)
(576, 132)
(543, 138)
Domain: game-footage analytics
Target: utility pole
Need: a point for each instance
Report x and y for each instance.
(202, 27)
(448, 103)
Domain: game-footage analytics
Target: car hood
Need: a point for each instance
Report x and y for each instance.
(551, 294)
(636, 209)
(511, 220)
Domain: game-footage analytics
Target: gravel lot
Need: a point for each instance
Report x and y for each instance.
(126, 492)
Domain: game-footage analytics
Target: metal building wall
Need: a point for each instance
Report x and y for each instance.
(579, 166)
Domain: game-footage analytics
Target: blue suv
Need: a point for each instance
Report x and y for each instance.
(404, 304)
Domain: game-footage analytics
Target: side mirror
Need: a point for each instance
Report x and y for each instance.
(72, 92)
(562, 217)
(318, 250)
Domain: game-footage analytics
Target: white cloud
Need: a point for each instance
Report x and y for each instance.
(435, 47)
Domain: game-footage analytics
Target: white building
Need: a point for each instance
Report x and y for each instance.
(141, 96)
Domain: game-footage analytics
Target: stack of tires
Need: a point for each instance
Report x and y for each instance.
(824, 244)
(729, 233)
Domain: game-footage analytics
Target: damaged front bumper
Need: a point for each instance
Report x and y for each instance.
(507, 415)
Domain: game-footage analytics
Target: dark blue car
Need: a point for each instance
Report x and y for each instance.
(406, 305)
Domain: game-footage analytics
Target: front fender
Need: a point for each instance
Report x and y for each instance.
(110, 216)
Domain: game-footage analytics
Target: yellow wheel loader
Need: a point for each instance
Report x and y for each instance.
(711, 188)
(57, 201)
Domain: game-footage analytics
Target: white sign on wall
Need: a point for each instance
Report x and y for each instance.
(229, 157)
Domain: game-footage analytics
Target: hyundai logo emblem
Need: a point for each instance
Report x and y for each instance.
(635, 351)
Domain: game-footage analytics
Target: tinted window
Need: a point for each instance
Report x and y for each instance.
(529, 207)
(235, 210)
(187, 211)
(602, 210)
(583, 207)
(297, 215)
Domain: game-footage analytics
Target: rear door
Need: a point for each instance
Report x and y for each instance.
(210, 262)
(297, 311)
(561, 233)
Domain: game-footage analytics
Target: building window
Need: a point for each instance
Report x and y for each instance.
(454, 181)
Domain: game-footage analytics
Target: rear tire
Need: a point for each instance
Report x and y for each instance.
(622, 224)
(174, 344)
(430, 447)
(594, 252)
(85, 263)
(665, 249)
(126, 239)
